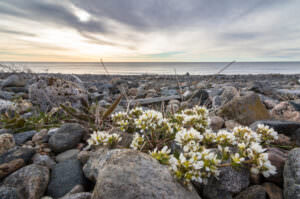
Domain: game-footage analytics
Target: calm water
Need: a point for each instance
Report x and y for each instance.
(125, 68)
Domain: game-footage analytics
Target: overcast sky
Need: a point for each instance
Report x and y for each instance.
(150, 30)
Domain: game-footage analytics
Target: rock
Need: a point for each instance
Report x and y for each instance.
(6, 105)
(277, 158)
(52, 131)
(283, 140)
(291, 175)
(187, 94)
(202, 95)
(6, 142)
(76, 189)
(31, 180)
(69, 154)
(21, 138)
(253, 192)
(172, 108)
(8, 168)
(83, 156)
(285, 111)
(85, 195)
(273, 191)
(10, 193)
(67, 173)
(230, 180)
(216, 123)
(41, 137)
(43, 160)
(6, 95)
(245, 110)
(77, 193)
(231, 124)
(50, 92)
(17, 153)
(9, 131)
(66, 137)
(14, 81)
(228, 94)
(131, 174)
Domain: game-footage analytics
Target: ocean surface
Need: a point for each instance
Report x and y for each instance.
(136, 68)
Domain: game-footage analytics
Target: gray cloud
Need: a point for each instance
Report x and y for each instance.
(154, 14)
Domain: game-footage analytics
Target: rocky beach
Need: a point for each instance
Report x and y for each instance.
(47, 120)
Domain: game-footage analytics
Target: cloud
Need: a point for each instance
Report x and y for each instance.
(195, 30)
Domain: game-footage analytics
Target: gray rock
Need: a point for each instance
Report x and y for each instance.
(131, 174)
(253, 192)
(291, 175)
(64, 177)
(43, 160)
(50, 92)
(14, 81)
(21, 138)
(10, 193)
(69, 154)
(230, 180)
(66, 137)
(6, 105)
(9, 131)
(31, 181)
(16, 153)
(6, 95)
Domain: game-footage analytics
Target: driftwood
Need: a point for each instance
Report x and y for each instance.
(153, 100)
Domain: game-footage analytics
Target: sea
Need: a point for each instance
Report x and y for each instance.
(164, 68)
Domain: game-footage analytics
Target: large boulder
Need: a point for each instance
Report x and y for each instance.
(131, 174)
(49, 92)
(291, 175)
(66, 137)
(31, 181)
(245, 110)
(6, 142)
(64, 177)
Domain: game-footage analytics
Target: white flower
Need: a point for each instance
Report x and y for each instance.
(137, 142)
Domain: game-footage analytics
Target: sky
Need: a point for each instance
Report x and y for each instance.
(149, 30)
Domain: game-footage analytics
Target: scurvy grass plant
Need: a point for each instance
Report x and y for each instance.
(185, 142)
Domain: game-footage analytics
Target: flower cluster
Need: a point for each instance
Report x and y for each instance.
(104, 139)
(197, 152)
(268, 134)
(137, 142)
(197, 166)
(163, 156)
(196, 118)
